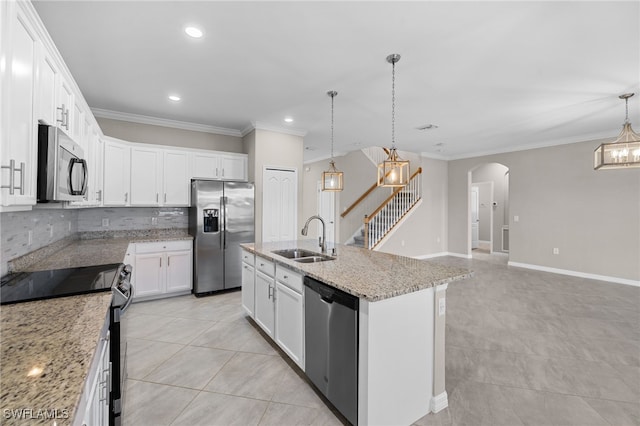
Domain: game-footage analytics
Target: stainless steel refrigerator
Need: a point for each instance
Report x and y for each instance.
(220, 219)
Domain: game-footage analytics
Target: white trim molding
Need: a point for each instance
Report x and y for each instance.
(164, 122)
(258, 125)
(439, 402)
(607, 278)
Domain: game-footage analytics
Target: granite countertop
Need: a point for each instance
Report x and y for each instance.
(60, 338)
(91, 248)
(370, 275)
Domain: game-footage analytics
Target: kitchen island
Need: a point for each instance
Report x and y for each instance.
(401, 323)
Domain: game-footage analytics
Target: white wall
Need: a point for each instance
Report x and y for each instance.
(593, 217)
(267, 148)
(159, 135)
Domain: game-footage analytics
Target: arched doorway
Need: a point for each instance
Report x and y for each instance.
(488, 233)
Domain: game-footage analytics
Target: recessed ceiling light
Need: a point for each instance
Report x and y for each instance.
(288, 120)
(193, 32)
(174, 98)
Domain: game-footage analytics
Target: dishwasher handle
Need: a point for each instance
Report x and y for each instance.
(330, 294)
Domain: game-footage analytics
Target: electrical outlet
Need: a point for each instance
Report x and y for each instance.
(154, 220)
(69, 226)
(402, 243)
(442, 306)
(556, 250)
(30, 238)
(516, 218)
(438, 240)
(50, 230)
(105, 222)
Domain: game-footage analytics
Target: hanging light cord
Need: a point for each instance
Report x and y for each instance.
(332, 95)
(626, 107)
(393, 104)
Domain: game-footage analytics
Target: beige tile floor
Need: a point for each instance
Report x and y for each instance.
(522, 348)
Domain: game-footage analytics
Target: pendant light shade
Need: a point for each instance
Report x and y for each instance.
(624, 151)
(332, 179)
(394, 171)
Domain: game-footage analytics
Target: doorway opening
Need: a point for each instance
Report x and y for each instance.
(488, 224)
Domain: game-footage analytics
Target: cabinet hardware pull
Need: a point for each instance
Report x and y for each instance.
(286, 277)
(216, 172)
(61, 120)
(126, 197)
(99, 194)
(269, 295)
(161, 262)
(156, 197)
(12, 177)
(165, 198)
(223, 172)
(168, 262)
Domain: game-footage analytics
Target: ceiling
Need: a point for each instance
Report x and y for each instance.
(493, 76)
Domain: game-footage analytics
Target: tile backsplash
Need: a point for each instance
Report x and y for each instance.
(51, 225)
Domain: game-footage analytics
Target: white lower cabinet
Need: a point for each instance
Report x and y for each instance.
(96, 393)
(162, 269)
(272, 295)
(264, 302)
(290, 322)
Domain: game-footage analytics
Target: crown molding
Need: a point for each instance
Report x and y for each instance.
(154, 121)
(258, 125)
(547, 144)
(434, 156)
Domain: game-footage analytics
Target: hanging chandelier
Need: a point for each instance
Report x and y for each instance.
(394, 171)
(624, 151)
(332, 179)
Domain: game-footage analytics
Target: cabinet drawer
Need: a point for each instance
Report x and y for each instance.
(161, 246)
(265, 266)
(248, 258)
(291, 279)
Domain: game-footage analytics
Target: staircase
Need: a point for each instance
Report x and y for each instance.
(389, 213)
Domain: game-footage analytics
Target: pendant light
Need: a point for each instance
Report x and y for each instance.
(332, 179)
(624, 151)
(394, 171)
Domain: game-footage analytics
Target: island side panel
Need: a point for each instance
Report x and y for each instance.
(396, 359)
(439, 401)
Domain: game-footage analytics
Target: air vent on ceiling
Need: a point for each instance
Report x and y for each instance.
(427, 127)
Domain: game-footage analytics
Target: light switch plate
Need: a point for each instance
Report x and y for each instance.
(105, 222)
(442, 306)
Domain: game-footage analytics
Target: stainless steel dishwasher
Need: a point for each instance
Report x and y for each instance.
(331, 345)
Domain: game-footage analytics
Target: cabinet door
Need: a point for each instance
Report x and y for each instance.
(77, 132)
(66, 105)
(178, 271)
(149, 274)
(248, 288)
(116, 174)
(290, 323)
(175, 179)
(19, 143)
(233, 168)
(47, 87)
(145, 176)
(264, 305)
(205, 166)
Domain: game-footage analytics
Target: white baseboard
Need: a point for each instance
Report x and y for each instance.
(616, 280)
(464, 256)
(439, 402)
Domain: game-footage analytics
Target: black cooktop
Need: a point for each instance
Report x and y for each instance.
(29, 286)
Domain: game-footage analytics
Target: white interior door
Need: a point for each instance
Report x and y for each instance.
(475, 217)
(279, 204)
(327, 211)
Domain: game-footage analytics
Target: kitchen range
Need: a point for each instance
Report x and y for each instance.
(97, 295)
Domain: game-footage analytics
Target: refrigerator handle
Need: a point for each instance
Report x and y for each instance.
(224, 218)
(222, 225)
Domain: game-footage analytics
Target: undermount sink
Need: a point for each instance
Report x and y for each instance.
(294, 253)
(302, 256)
(313, 259)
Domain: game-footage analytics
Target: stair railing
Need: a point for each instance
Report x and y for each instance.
(379, 223)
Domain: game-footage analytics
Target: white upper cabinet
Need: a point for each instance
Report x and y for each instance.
(219, 166)
(175, 179)
(117, 157)
(145, 176)
(18, 128)
(48, 79)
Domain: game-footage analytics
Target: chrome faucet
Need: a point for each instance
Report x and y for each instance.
(323, 239)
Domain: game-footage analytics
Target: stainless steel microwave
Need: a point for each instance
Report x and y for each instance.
(62, 169)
